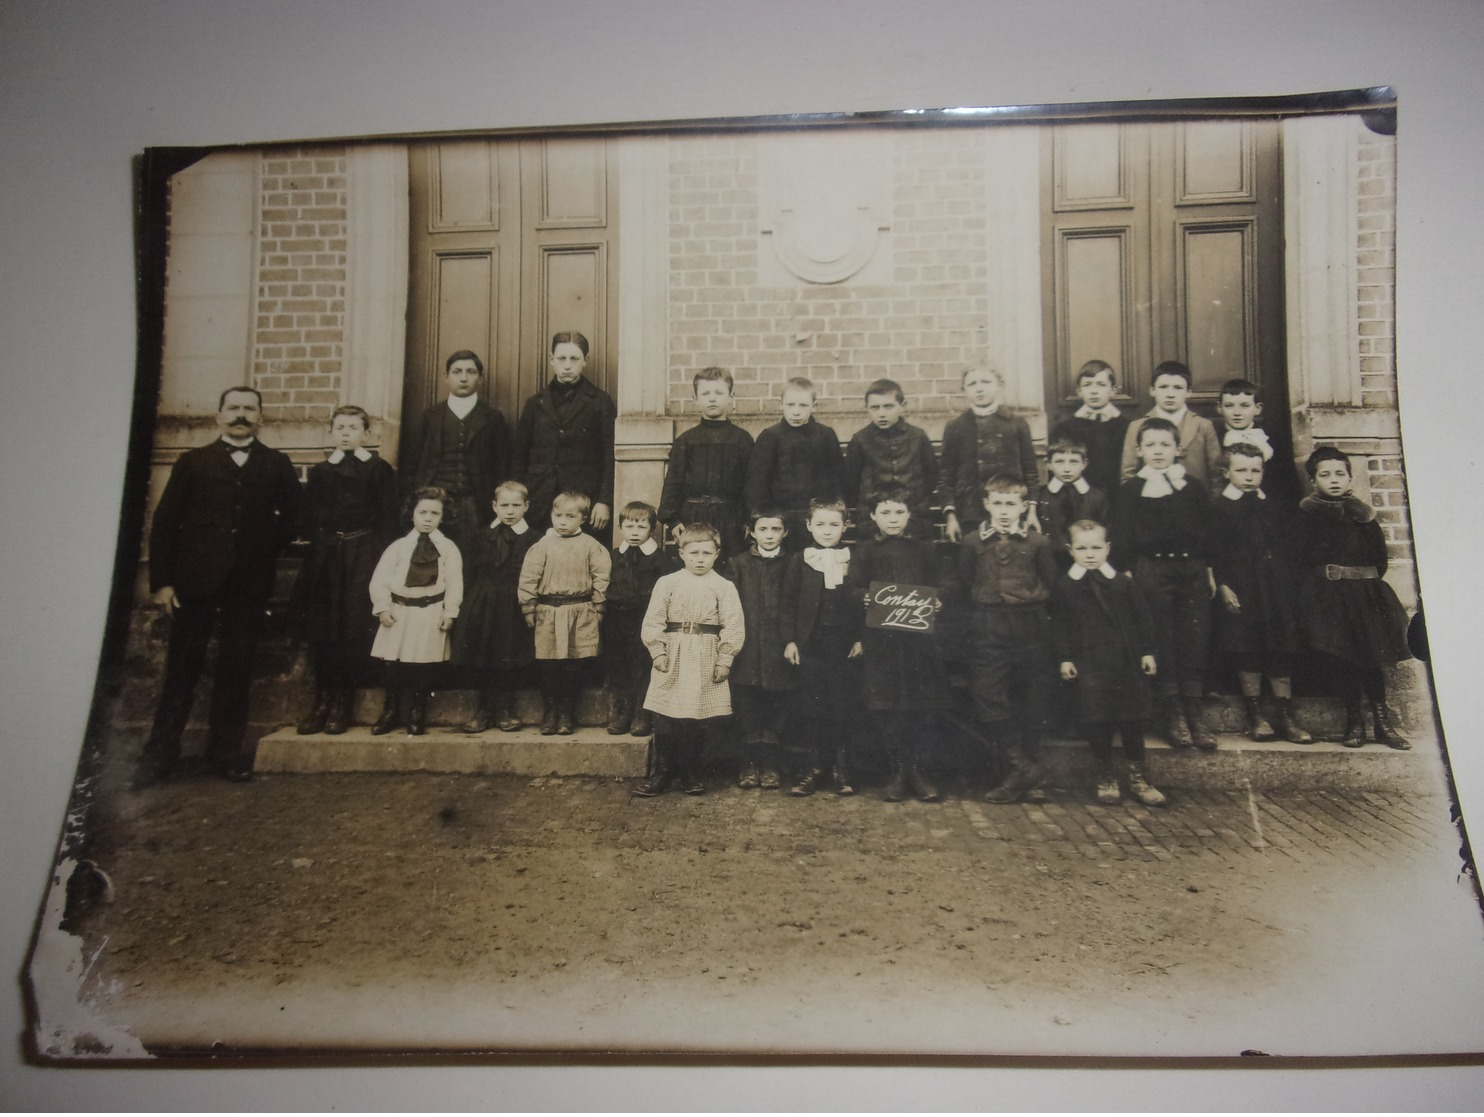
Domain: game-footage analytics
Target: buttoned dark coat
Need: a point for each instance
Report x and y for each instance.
(219, 527)
(552, 456)
(487, 451)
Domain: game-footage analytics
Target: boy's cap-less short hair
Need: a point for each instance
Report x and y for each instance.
(1094, 368)
(698, 533)
(570, 498)
(1155, 423)
(1171, 368)
(1005, 483)
(1066, 446)
(766, 512)
(1327, 454)
(1242, 450)
(463, 355)
(825, 506)
(351, 409)
(964, 377)
(221, 400)
(1239, 387)
(712, 372)
(516, 487)
(799, 384)
(638, 510)
(893, 492)
(886, 388)
(1086, 526)
(569, 337)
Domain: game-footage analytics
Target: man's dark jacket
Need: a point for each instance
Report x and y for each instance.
(219, 527)
(552, 455)
(486, 451)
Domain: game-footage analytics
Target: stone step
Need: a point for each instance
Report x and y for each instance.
(587, 752)
(1237, 764)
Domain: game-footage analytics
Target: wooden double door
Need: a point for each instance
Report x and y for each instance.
(512, 240)
(1164, 241)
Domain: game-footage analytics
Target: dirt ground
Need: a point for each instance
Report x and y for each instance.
(416, 912)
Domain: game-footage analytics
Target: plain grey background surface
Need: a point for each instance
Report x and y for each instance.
(86, 86)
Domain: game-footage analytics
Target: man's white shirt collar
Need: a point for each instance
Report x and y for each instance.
(1077, 573)
(1056, 485)
(984, 412)
(237, 445)
(987, 529)
(767, 553)
(648, 547)
(462, 405)
(338, 456)
(1099, 415)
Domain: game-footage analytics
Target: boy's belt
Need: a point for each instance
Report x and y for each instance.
(562, 598)
(1350, 573)
(693, 628)
(419, 602)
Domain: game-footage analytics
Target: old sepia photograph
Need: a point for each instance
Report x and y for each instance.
(917, 584)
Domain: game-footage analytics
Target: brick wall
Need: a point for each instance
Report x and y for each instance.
(299, 330)
(922, 329)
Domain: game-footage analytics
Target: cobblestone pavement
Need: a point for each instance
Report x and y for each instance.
(494, 911)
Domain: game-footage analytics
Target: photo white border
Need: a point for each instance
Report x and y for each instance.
(89, 86)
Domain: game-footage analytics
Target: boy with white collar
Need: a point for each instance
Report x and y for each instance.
(1068, 497)
(491, 636)
(1239, 419)
(1257, 581)
(638, 563)
(1199, 451)
(1097, 424)
(1164, 517)
(351, 516)
(1105, 640)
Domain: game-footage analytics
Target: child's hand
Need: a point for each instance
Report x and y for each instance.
(662, 663)
(1068, 670)
(1229, 600)
(952, 529)
(1147, 665)
(856, 651)
(599, 517)
(791, 653)
(445, 624)
(1032, 519)
(530, 620)
(166, 599)
(719, 673)
(386, 619)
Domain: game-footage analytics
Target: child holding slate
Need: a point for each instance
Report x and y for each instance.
(903, 674)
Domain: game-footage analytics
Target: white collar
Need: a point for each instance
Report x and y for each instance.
(1056, 485)
(1100, 415)
(986, 529)
(439, 539)
(1253, 436)
(338, 456)
(235, 445)
(1231, 492)
(1162, 482)
(1176, 417)
(984, 412)
(832, 562)
(462, 405)
(520, 527)
(553, 533)
(760, 553)
(648, 547)
(1077, 573)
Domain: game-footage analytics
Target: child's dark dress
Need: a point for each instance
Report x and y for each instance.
(1280, 477)
(760, 586)
(1345, 608)
(491, 632)
(352, 518)
(903, 670)
(1105, 627)
(1251, 551)
(630, 586)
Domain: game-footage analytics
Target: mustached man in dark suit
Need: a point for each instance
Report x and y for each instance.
(465, 450)
(227, 512)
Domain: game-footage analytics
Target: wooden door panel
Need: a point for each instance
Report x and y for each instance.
(1215, 163)
(1216, 304)
(1093, 169)
(1096, 318)
(573, 291)
(574, 184)
(466, 287)
(465, 187)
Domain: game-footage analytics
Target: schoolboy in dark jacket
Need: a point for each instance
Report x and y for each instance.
(706, 479)
(982, 442)
(890, 451)
(794, 461)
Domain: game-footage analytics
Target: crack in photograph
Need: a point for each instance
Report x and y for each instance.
(927, 584)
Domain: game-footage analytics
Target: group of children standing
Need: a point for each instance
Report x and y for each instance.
(1108, 580)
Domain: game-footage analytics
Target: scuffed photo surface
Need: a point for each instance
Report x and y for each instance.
(468, 893)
